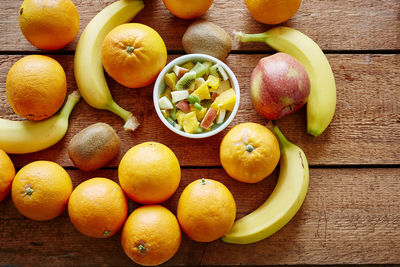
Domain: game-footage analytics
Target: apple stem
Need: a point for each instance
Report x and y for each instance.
(248, 37)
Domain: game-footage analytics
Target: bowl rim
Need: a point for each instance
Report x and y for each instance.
(181, 60)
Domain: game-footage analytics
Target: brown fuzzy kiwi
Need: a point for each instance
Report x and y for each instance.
(94, 147)
(208, 38)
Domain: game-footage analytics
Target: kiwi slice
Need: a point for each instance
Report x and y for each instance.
(200, 69)
(218, 71)
(186, 82)
(207, 64)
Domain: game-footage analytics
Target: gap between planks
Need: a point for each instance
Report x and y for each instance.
(235, 52)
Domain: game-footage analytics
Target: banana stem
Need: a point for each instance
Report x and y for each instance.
(72, 100)
(248, 37)
(283, 142)
(131, 123)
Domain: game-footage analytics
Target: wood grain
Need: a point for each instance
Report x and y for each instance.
(365, 129)
(350, 216)
(334, 25)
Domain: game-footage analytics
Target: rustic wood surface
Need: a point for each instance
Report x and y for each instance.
(352, 211)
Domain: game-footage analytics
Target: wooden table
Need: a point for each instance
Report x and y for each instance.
(351, 214)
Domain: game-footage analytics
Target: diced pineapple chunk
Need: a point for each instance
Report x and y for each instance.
(199, 113)
(189, 65)
(166, 113)
(167, 93)
(179, 116)
(213, 83)
(190, 122)
(226, 100)
(199, 81)
(170, 80)
(202, 92)
(223, 86)
(165, 103)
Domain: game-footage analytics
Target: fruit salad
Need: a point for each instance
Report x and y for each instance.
(198, 97)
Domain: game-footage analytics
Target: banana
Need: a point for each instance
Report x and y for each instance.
(284, 201)
(20, 137)
(321, 102)
(88, 68)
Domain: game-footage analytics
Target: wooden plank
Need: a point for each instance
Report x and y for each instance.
(338, 25)
(365, 129)
(350, 216)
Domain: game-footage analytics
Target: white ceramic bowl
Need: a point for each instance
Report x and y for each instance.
(160, 85)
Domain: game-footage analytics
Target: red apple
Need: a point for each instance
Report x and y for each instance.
(279, 86)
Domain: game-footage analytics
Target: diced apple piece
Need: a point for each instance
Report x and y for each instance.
(170, 80)
(183, 105)
(199, 81)
(179, 71)
(225, 101)
(179, 95)
(213, 83)
(165, 103)
(209, 118)
(190, 122)
(202, 92)
(179, 116)
(221, 116)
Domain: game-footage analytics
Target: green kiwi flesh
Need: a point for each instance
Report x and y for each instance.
(186, 81)
(219, 72)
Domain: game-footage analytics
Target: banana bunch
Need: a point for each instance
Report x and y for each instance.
(284, 201)
(20, 137)
(88, 68)
(321, 102)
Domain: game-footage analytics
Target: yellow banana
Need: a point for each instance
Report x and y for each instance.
(284, 201)
(20, 137)
(321, 102)
(89, 73)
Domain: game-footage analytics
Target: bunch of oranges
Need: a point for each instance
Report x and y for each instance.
(148, 173)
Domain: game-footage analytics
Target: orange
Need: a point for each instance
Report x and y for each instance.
(7, 173)
(151, 235)
(206, 210)
(49, 24)
(149, 173)
(98, 207)
(249, 152)
(41, 189)
(133, 54)
(272, 11)
(36, 87)
(188, 9)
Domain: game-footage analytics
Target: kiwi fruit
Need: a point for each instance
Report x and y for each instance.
(94, 146)
(186, 81)
(200, 69)
(218, 71)
(208, 38)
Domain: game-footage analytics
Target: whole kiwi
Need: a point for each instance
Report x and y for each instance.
(208, 38)
(94, 147)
